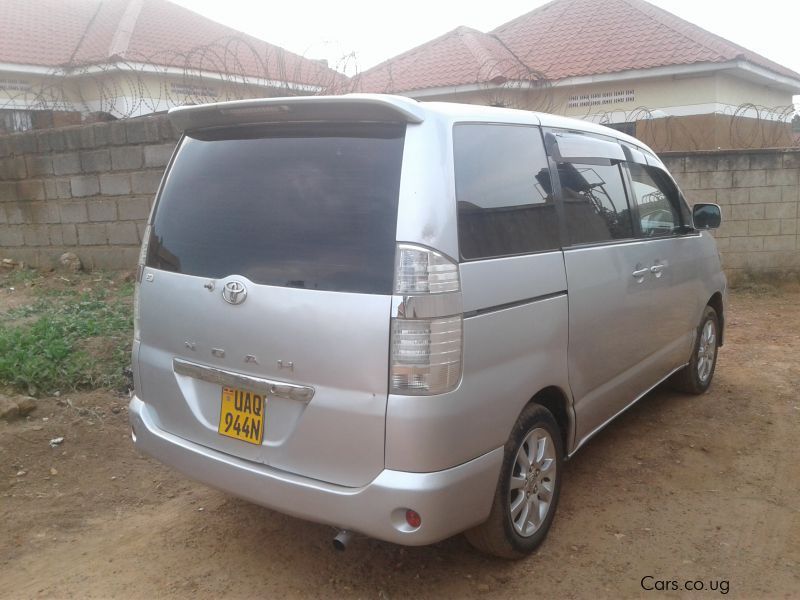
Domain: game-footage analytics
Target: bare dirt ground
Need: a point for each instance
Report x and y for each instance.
(679, 488)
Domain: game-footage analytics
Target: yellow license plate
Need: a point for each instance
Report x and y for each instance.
(242, 415)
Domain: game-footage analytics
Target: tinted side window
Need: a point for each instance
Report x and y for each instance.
(305, 206)
(595, 203)
(505, 205)
(656, 199)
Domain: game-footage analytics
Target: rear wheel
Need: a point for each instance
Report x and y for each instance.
(528, 488)
(695, 378)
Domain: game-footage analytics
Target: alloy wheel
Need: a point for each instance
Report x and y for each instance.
(706, 350)
(533, 481)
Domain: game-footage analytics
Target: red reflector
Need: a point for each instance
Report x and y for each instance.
(413, 518)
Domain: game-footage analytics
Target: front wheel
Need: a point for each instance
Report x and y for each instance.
(528, 488)
(695, 378)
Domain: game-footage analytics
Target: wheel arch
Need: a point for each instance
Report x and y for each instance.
(558, 402)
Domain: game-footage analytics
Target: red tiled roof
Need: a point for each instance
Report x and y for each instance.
(43, 32)
(461, 56)
(566, 38)
(76, 33)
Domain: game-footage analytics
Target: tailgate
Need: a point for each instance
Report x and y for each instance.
(337, 436)
(271, 260)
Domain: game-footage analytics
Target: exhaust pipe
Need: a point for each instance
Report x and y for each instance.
(342, 539)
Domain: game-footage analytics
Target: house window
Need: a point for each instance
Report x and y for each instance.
(601, 98)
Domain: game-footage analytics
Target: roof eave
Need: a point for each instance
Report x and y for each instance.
(744, 68)
(790, 84)
(27, 69)
(156, 69)
(446, 90)
(118, 65)
(678, 71)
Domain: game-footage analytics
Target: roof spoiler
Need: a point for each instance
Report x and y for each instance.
(352, 108)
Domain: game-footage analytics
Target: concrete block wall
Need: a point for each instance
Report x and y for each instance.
(759, 194)
(86, 189)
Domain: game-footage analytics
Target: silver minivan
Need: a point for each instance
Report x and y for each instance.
(400, 318)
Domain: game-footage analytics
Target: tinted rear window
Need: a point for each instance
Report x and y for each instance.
(298, 206)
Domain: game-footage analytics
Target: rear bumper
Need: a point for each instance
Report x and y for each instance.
(449, 501)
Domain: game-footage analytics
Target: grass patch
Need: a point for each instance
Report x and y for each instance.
(73, 336)
(20, 276)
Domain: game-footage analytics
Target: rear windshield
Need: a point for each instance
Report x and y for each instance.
(300, 206)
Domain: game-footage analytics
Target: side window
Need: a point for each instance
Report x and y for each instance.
(595, 204)
(505, 204)
(657, 200)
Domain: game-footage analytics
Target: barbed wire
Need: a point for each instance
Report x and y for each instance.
(745, 126)
(229, 68)
(233, 68)
(748, 125)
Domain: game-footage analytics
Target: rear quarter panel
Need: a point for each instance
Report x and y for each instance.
(509, 355)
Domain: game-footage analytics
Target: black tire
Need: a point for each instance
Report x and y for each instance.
(497, 535)
(688, 379)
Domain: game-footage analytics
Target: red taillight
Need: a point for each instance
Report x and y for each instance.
(413, 519)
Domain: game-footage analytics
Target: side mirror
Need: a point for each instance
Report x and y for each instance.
(706, 216)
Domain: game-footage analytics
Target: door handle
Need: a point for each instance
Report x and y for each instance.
(640, 273)
(656, 270)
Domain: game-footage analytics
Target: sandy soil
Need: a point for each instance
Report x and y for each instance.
(679, 488)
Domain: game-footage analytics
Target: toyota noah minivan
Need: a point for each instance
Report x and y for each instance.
(400, 318)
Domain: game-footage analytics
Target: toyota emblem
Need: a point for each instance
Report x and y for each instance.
(234, 292)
